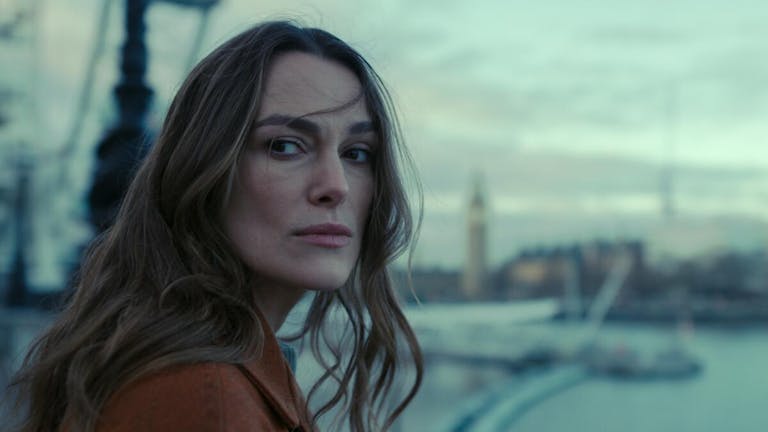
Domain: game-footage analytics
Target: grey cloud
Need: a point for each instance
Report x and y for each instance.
(553, 174)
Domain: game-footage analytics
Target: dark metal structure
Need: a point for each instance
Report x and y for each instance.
(118, 153)
(126, 143)
(123, 147)
(17, 293)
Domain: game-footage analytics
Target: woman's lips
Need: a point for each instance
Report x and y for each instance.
(329, 235)
(326, 240)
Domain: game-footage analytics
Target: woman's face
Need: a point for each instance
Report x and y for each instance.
(300, 203)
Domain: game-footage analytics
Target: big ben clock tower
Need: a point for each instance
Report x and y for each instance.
(474, 278)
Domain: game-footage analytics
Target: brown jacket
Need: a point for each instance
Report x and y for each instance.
(260, 396)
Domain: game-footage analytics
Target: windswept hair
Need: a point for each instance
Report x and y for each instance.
(164, 285)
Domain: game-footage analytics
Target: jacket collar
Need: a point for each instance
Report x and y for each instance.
(272, 375)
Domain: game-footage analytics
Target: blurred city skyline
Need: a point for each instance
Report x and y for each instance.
(572, 110)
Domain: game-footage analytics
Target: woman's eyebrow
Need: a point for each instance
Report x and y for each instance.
(308, 126)
(298, 123)
(361, 127)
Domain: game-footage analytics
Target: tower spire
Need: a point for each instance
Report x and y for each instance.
(475, 265)
(667, 178)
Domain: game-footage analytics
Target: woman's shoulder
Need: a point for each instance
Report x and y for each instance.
(198, 397)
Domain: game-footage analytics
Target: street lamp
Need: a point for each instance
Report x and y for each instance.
(123, 147)
(125, 144)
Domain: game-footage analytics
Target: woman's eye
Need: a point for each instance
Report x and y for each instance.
(358, 155)
(283, 147)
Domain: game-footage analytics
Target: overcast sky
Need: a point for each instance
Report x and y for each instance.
(571, 109)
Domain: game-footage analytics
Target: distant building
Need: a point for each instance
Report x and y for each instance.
(474, 278)
(552, 272)
(434, 284)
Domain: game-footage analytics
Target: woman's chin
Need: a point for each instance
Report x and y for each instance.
(319, 278)
(327, 283)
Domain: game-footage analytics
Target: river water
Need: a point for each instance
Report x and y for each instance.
(730, 393)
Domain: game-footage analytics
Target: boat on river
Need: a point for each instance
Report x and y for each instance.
(628, 363)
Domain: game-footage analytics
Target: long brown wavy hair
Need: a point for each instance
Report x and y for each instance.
(164, 285)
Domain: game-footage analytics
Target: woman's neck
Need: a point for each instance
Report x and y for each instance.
(276, 302)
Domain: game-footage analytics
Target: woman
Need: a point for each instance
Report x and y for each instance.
(275, 175)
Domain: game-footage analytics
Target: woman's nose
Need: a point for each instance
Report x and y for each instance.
(329, 185)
